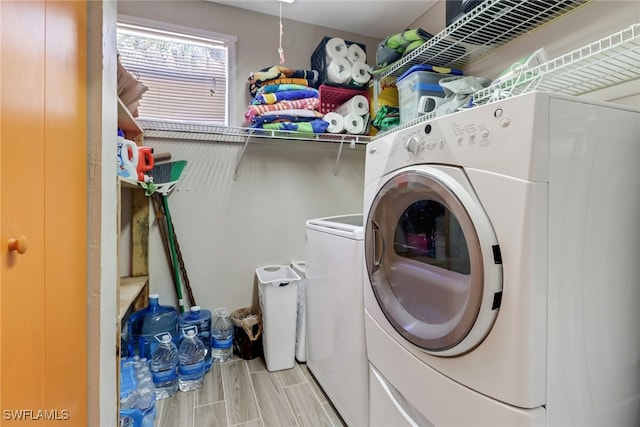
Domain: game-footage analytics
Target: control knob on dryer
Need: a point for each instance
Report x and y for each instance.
(412, 145)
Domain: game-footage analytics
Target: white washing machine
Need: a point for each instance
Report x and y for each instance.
(502, 278)
(336, 348)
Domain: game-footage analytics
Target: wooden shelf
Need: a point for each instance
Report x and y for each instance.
(128, 124)
(132, 297)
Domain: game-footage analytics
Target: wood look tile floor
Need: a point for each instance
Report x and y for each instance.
(243, 393)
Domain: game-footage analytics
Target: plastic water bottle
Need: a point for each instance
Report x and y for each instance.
(201, 319)
(190, 362)
(164, 367)
(222, 337)
(137, 393)
(143, 325)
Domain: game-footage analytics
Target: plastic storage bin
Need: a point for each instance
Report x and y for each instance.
(419, 92)
(331, 97)
(300, 267)
(278, 297)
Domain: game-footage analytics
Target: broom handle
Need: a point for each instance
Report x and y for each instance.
(157, 203)
(187, 284)
(174, 256)
(165, 238)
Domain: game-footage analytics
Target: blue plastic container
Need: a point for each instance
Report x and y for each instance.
(143, 325)
(201, 319)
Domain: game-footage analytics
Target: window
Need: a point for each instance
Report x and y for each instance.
(186, 71)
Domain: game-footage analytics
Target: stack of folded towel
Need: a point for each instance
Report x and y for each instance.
(285, 99)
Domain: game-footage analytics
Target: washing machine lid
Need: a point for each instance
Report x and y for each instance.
(433, 259)
(350, 226)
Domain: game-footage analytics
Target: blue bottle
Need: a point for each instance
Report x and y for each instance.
(145, 324)
(201, 319)
(190, 362)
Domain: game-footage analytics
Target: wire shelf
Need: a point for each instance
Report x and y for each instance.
(488, 26)
(216, 133)
(609, 61)
(604, 63)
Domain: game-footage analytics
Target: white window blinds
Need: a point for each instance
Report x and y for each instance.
(187, 75)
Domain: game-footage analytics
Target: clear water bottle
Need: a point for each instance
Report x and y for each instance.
(201, 319)
(143, 325)
(137, 393)
(190, 362)
(222, 336)
(164, 367)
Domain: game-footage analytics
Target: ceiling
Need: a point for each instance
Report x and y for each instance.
(372, 18)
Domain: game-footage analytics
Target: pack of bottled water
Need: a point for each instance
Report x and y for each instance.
(137, 393)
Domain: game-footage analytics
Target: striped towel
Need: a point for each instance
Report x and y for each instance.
(305, 103)
(287, 95)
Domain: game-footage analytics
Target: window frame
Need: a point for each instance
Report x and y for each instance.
(230, 41)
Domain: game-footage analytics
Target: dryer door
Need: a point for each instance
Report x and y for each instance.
(433, 259)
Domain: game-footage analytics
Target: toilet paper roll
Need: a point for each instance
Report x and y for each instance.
(339, 71)
(357, 105)
(335, 48)
(336, 122)
(356, 54)
(353, 124)
(360, 73)
(427, 104)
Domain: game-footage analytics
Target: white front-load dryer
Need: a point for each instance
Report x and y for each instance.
(483, 298)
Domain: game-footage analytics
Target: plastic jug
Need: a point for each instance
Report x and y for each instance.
(144, 324)
(201, 318)
(127, 156)
(145, 161)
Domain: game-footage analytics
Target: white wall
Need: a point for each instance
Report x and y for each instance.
(227, 228)
(102, 275)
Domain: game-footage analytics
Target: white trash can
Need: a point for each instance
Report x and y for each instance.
(300, 268)
(278, 297)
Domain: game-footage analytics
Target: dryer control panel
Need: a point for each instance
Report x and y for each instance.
(497, 137)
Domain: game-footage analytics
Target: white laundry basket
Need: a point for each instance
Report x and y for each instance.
(300, 268)
(278, 296)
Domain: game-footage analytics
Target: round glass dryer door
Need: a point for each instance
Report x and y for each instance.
(433, 260)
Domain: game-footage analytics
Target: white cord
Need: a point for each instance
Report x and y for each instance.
(280, 49)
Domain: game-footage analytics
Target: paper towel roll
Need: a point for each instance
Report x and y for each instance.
(354, 124)
(335, 48)
(339, 71)
(336, 122)
(360, 73)
(356, 54)
(357, 105)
